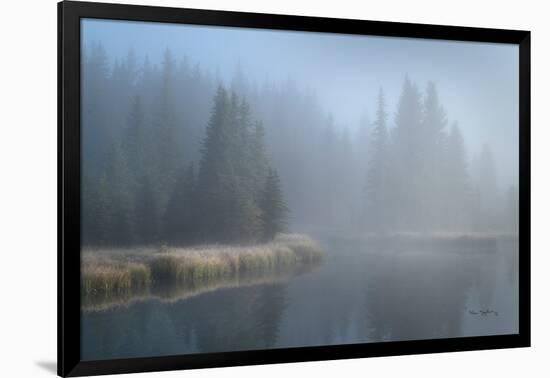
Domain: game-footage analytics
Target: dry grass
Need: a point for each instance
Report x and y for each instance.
(123, 273)
(103, 275)
(306, 249)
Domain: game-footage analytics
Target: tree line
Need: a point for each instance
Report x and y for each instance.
(145, 194)
(419, 176)
(150, 128)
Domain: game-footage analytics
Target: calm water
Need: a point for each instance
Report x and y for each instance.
(360, 294)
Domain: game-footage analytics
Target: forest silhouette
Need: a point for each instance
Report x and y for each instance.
(173, 155)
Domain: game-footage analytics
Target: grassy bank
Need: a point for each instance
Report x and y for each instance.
(114, 274)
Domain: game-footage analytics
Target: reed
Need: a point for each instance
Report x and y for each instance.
(101, 276)
(123, 273)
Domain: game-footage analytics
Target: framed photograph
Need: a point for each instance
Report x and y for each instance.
(239, 188)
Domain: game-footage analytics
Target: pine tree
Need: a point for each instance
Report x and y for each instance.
(122, 88)
(408, 121)
(228, 171)
(131, 67)
(487, 193)
(244, 225)
(273, 206)
(214, 158)
(457, 191)
(434, 120)
(377, 173)
(213, 150)
(348, 178)
(95, 109)
(405, 161)
(167, 158)
(134, 141)
(258, 159)
(148, 82)
(363, 140)
(432, 173)
(328, 203)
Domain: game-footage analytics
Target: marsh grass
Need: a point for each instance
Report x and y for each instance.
(114, 275)
(101, 275)
(305, 249)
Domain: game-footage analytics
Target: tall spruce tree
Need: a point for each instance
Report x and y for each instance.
(167, 157)
(377, 172)
(133, 140)
(456, 187)
(406, 150)
(227, 175)
(487, 194)
(327, 190)
(212, 169)
(434, 119)
(363, 137)
(95, 109)
(257, 159)
(244, 224)
(273, 206)
(431, 171)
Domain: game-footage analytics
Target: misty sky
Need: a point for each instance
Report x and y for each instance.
(477, 82)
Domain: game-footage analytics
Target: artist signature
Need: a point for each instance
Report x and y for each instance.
(483, 312)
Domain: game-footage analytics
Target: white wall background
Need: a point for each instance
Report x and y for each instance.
(28, 154)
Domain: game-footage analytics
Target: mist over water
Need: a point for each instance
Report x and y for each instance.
(360, 294)
(398, 157)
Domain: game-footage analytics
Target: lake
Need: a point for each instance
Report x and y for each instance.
(362, 292)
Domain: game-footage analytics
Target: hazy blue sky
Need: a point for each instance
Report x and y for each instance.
(477, 82)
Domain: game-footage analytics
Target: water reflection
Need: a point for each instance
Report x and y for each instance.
(379, 292)
(178, 292)
(227, 319)
(418, 295)
(438, 293)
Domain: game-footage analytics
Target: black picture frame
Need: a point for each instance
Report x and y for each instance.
(69, 15)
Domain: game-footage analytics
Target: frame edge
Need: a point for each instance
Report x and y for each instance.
(69, 363)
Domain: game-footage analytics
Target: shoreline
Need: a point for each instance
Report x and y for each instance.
(118, 275)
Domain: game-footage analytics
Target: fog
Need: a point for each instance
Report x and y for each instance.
(317, 97)
(477, 82)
